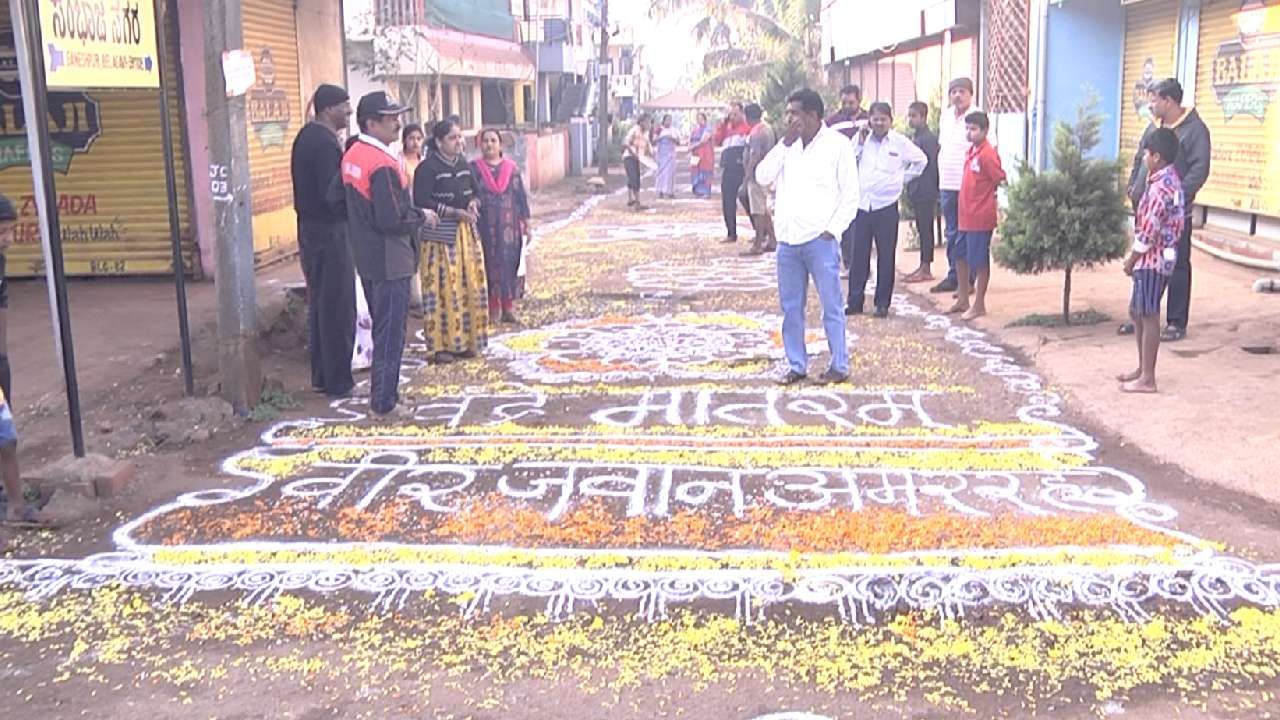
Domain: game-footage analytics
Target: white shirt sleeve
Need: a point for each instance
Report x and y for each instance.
(914, 159)
(770, 168)
(847, 182)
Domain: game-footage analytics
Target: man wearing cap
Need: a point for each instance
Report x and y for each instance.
(953, 147)
(322, 240)
(382, 229)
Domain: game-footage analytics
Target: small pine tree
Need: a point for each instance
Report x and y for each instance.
(1070, 216)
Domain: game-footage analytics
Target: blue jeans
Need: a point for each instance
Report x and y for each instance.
(820, 259)
(389, 310)
(950, 201)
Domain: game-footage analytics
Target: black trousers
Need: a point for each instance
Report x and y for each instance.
(730, 183)
(881, 227)
(1180, 282)
(926, 212)
(331, 303)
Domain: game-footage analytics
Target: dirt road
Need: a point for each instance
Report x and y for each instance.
(616, 513)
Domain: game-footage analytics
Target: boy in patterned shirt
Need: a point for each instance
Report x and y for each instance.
(1157, 226)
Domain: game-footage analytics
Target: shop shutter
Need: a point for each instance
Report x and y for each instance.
(275, 112)
(1238, 97)
(109, 175)
(1150, 53)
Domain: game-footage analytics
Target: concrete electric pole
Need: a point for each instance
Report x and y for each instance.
(602, 109)
(238, 363)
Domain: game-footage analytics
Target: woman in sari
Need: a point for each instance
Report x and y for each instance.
(504, 225)
(665, 179)
(454, 293)
(703, 152)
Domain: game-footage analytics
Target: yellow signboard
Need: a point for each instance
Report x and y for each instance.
(99, 43)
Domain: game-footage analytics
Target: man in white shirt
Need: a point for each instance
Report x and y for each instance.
(953, 146)
(886, 161)
(816, 176)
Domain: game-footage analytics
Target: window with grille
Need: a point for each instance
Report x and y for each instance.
(1008, 23)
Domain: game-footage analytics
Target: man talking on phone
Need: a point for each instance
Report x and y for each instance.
(815, 172)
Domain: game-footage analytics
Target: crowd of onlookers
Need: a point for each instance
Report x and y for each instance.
(854, 184)
(428, 229)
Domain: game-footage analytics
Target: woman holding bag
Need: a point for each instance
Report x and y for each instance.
(504, 225)
(454, 291)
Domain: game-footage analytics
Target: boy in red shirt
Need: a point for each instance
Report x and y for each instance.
(977, 217)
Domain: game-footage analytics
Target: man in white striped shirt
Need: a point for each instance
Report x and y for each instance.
(953, 146)
(886, 161)
(816, 176)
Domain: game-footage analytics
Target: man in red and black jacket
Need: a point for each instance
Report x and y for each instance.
(382, 227)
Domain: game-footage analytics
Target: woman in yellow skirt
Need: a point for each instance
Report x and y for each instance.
(454, 290)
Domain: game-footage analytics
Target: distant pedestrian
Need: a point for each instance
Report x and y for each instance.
(759, 144)
(732, 135)
(953, 148)
(922, 192)
(455, 293)
(1158, 228)
(976, 215)
(1194, 156)
(327, 265)
(703, 157)
(383, 228)
(848, 121)
(504, 225)
(816, 175)
(18, 511)
(636, 150)
(664, 181)
(886, 160)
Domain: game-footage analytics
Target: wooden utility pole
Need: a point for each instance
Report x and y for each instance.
(602, 106)
(238, 363)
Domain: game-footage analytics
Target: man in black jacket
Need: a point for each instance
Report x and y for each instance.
(922, 192)
(382, 229)
(1192, 164)
(322, 241)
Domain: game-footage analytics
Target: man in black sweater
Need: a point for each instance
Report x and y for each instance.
(322, 240)
(922, 192)
(1192, 164)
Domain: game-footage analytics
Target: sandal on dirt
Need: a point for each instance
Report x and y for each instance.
(1172, 333)
(30, 519)
(1126, 329)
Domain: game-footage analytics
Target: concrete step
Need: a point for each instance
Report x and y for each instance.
(1237, 247)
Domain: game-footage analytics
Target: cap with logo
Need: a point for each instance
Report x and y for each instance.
(378, 103)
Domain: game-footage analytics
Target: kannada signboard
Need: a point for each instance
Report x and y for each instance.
(99, 43)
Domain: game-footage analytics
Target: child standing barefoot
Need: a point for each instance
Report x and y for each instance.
(1155, 250)
(983, 174)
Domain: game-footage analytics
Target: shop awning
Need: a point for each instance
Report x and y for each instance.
(420, 50)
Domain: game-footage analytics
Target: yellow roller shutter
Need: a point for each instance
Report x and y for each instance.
(1237, 89)
(1150, 53)
(275, 113)
(109, 173)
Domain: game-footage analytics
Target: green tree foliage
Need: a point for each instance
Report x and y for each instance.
(746, 42)
(1070, 216)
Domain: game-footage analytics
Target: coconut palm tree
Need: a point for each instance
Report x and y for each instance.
(746, 40)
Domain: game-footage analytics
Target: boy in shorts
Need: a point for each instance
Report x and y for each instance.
(1157, 227)
(983, 174)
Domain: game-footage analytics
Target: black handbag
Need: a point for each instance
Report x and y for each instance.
(444, 232)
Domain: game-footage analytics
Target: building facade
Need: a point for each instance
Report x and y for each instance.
(1226, 55)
